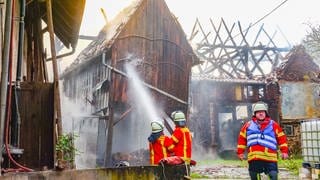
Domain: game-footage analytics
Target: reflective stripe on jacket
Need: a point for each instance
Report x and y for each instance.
(258, 151)
(160, 149)
(182, 143)
(265, 137)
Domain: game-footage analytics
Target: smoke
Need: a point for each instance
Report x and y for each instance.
(76, 119)
(131, 133)
(215, 125)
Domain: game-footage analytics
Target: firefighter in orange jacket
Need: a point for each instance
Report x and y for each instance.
(159, 144)
(262, 137)
(181, 137)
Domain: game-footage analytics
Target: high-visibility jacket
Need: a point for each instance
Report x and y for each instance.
(266, 137)
(160, 149)
(182, 143)
(262, 140)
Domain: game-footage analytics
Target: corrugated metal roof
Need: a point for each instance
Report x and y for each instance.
(67, 17)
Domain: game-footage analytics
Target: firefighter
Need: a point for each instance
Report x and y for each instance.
(159, 144)
(181, 137)
(262, 137)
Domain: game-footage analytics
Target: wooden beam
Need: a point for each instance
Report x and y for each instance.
(56, 90)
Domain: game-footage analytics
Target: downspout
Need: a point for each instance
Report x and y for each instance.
(17, 122)
(4, 73)
(108, 153)
(144, 83)
(21, 41)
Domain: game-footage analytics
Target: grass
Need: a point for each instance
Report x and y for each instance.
(292, 164)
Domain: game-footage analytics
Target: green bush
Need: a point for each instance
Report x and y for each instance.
(65, 146)
(292, 164)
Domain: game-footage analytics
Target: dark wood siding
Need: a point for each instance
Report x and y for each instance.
(37, 125)
(154, 36)
(86, 87)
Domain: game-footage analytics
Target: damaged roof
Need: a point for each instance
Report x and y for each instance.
(67, 17)
(299, 66)
(107, 36)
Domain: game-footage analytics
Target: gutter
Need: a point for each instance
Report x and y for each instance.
(63, 55)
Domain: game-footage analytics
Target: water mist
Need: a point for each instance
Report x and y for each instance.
(131, 133)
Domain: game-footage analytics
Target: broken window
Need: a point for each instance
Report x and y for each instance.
(250, 91)
(261, 92)
(288, 130)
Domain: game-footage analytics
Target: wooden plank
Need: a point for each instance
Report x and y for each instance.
(36, 125)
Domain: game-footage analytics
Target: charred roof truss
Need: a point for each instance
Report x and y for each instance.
(234, 52)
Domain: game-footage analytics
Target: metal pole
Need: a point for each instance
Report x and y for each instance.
(144, 83)
(108, 154)
(4, 73)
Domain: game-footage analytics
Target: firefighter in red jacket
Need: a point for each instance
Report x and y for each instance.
(159, 144)
(181, 137)
(262, 137)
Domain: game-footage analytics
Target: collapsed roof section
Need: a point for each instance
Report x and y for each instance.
(298, 66)
(236, 52)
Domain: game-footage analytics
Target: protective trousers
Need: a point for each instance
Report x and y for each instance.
(273, 175)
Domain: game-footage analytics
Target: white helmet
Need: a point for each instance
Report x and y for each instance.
(178, 116)
(259, 106)
(156, 126)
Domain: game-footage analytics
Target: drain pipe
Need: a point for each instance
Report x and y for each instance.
(144, 83)
(21, 41)
(16, 124)
(4, 73)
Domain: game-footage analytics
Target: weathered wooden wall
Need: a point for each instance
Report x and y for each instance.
(154, 36)
(37, 134)
(150, 34)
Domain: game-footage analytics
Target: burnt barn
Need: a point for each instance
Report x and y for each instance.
(236, 72)
(219, 107)
(147, 34)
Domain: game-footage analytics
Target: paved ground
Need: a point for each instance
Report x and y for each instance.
(234, 172)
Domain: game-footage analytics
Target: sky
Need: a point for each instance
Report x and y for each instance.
(290, 18)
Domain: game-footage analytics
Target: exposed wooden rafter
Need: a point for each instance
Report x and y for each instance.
(234, 52)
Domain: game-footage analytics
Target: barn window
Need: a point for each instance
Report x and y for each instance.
(288, 130)
(261, 92)
(250, 91)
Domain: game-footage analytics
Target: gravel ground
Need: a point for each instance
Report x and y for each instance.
(234, 172)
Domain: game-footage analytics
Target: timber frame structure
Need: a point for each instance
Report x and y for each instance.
(237, 69)
(234, 52)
